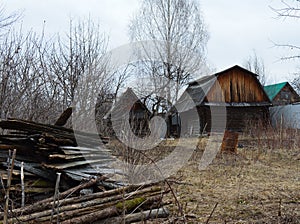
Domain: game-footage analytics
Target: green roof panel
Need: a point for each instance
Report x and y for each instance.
(273, 90)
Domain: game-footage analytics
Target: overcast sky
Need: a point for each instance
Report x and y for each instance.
(236, 28)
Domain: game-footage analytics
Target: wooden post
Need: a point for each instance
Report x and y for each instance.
(22, 185)
(56, 199)
(230, 142)
(5, 218)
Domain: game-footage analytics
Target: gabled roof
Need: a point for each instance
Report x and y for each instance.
(198, 89)
(204, 78)
(273, 90)
(124, 103)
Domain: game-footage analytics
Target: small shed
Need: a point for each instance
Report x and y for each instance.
(129, 108)
(235, 92)
(282, 94)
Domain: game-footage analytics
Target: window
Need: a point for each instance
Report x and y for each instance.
(285, 95)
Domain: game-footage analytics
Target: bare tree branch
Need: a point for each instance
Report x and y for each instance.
(257, 66)
(6, 21)
(179, 28)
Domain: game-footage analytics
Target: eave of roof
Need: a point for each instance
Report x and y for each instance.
(234, 104)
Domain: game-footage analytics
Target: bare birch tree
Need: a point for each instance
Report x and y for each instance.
(178, 27)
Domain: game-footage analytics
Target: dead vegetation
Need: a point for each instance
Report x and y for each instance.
(260, 184)
(50, 178)
(257, 184)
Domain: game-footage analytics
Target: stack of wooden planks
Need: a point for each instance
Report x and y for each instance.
(33, 155)
(45, 150)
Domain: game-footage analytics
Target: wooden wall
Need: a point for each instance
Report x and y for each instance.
(237, 118)
(237, 86)
(287, 95)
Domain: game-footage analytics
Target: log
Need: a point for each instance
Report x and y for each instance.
(46, 203)
(74, 209)
(94, 216)
(127, 206)
(138, 217)
(82, 204)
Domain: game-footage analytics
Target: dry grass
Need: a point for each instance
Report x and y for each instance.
(257, 185)
(261, 184)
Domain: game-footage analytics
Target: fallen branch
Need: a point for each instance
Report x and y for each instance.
(212, 212)
(137, 217)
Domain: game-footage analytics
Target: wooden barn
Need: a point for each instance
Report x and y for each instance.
(282, 94)
(128, 107)
(234, 95)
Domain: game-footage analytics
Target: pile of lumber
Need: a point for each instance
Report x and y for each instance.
(122, 205)
(44, 150)
(38, 161)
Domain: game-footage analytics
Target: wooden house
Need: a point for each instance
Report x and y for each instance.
(285, 110)
(129, 108)
(234, 95)
(282, 94)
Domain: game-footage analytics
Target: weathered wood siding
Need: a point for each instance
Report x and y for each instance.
(287, 95)
(237, 86)
(237, 118)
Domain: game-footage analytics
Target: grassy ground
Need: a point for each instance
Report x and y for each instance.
(258, 185)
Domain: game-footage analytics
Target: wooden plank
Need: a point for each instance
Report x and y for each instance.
(76, 163)
(64, 117)
(56, 131)
(94, 171)
(81, 148)
(35, 169)
(80, 156)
